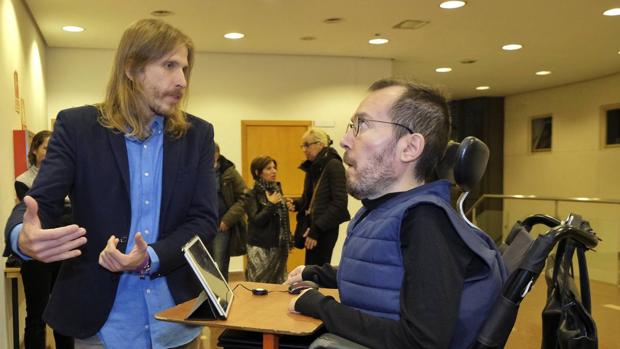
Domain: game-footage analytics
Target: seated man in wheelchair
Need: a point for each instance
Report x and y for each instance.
(413, 273)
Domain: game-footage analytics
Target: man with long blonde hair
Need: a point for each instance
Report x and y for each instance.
(139, 172)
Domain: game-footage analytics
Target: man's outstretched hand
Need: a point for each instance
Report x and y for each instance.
(48, 245)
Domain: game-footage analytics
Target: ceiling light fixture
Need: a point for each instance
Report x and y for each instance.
(378, 41)
(443, 70)
(411, 24)
(612, 12)
(234, 36)
(543, 72)
(512, 47)
(482, 88)
(72, 29)
(449, 5)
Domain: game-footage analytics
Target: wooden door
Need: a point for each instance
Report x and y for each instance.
(280, 140)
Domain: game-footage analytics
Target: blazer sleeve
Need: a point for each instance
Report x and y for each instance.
(16, 217)
(55, 178)
(236, 211)
(51, 184)
(21, 190)
(337, 211)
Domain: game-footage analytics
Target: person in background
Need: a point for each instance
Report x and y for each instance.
(323, 204)
(231, 238)
(268, 225)
(139, 172)
(37, 277)
(413, 273)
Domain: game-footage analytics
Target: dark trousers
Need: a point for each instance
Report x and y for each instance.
(38, 279)
(322, 252)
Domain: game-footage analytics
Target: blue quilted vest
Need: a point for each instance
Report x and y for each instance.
(371, 269)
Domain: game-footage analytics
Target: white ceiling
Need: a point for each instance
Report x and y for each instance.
(571, 38)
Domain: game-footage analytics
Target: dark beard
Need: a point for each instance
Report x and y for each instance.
(374, 178)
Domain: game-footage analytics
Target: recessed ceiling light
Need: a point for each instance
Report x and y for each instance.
(378, 41)
(443, 70)
(452, 4)
(307, 38)
(72, 29)
(543, 72)
(612, 12)
(512, 47)
(482, 88)
(234, 36)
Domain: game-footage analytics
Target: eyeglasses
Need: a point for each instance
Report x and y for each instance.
(307, 145)
(355, 125)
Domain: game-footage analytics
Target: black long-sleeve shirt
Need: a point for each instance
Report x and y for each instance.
(436, 263)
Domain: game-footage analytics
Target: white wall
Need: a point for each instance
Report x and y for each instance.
(21, 50)
(577, 166)
(228, 88)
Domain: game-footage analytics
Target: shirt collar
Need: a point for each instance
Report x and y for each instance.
(157, 126)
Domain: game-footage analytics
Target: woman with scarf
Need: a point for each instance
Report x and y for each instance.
(268, 225)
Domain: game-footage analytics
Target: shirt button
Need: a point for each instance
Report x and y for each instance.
(146, 231)
(146, 174)
(148, 290)
(145, 146)
(146, 202)
(146, 327)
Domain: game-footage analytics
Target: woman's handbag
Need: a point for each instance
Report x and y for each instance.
(303, 223)
(567, 322)
(304, 219)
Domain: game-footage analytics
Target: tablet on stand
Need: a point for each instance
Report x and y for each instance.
(215, 300)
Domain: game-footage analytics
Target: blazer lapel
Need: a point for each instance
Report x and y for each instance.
(172, 156)
(119, 149)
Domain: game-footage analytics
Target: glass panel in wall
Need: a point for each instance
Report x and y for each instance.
(541, 130)
(612, 120)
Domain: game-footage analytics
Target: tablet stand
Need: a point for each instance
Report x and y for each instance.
(203, 309)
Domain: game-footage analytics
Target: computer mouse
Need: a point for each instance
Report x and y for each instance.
(299, 286)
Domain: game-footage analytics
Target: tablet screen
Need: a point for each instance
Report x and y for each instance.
(209, 275)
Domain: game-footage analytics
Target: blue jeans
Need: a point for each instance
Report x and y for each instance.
(218, 248)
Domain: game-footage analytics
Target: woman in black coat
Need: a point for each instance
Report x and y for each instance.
(323, 205)
(268, 225)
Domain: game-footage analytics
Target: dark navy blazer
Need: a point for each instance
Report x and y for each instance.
(89, 162)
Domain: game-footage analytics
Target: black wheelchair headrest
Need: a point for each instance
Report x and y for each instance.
(471, 163)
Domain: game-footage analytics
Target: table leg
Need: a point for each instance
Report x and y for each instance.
(271, 341)
(15, 308)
